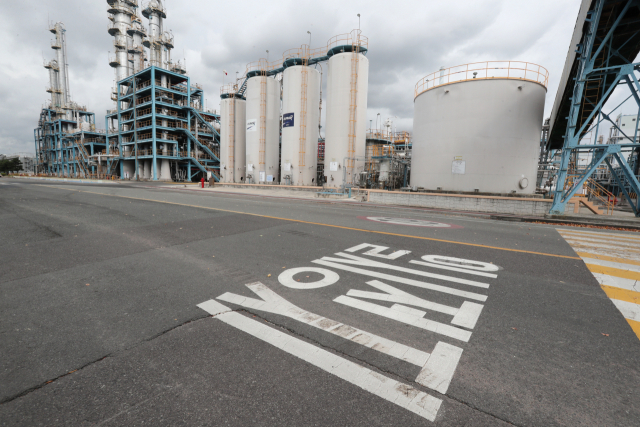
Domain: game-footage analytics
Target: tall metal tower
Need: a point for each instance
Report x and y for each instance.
(606, 40)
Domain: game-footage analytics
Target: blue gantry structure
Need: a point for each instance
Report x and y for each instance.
(160, 129)
(605, 43)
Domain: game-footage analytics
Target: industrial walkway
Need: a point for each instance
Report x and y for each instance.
(614, 261)
(124, 305)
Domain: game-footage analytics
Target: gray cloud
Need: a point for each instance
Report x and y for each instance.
(407, 40)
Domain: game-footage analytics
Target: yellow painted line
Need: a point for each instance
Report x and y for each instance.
(621, 294)
(635, 325)
(624, 237)
(610, 248)
(323, 225)
(616, 272)
(608, 258)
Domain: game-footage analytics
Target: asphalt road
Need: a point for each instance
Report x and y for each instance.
(432, 319)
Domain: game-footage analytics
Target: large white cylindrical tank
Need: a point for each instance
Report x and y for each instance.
(262, 129)
(299, 166)
(232, 139)
(339, 144)
(479, 135)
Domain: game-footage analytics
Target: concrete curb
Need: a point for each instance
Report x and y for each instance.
(71, 180)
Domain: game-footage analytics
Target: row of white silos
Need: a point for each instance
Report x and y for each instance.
(250, 129)
(477, 128)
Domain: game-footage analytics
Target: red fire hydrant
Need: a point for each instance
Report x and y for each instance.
(202, 182)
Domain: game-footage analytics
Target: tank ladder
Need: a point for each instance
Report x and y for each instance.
(353, 105)
(263, 122)
(304, 83)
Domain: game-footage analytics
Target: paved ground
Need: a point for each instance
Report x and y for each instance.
(126, 305)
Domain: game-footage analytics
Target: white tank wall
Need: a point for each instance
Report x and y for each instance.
(493, 126)
(272, 126)
(337, 121)
(232, 165)
(292, 103)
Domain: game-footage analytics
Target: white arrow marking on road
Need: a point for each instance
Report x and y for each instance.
(388, 389)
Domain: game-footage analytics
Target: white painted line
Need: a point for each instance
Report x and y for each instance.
(408, 310)
(461, 270)
(364, 262)
(439, 370)
(617, 282)
(628, 309)
(393, 294)
(467, 264)
(468, 315)
(409, 319)
(388, 389)
(607, 241)
(577, 244)
(621, 253)
(213, 307)
(383, 276)
(274, 303)
(376, 251)
(618, 265)
(632, 237)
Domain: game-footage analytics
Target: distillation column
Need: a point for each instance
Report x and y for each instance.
(137, 33)
(60, 46)
(157, 42)
(121, 13)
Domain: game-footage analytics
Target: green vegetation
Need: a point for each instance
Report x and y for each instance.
(10, 165)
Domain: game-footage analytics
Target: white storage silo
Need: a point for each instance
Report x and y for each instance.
(300, 116)
(232, 139)
(346, 111)
(262, 129)
(478, 133)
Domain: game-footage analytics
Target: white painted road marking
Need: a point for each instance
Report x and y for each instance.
(408, 318)
(384, 387)
(364, 262)
(619, 265)
(628, 309)
(286, 278)
(467, 264)
(383, 276)
(466, 316)
(274, 303)
(458, 269)
(376, 251)
(617, 282)
(438, 372)
(409, 221)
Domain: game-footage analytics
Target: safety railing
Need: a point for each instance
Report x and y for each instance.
(488, 70)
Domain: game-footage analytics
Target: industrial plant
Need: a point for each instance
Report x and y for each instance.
(478, 128)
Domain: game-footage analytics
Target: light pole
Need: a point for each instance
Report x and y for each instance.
(309, 32)
(358, 22)
(267, 56)
(377, 128)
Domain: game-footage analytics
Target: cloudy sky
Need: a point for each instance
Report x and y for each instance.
(408, 39)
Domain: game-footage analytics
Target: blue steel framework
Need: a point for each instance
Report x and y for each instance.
(63, 148)
(612, 36)
(160, 117)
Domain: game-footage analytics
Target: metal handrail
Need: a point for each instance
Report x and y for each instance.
(516, 70)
